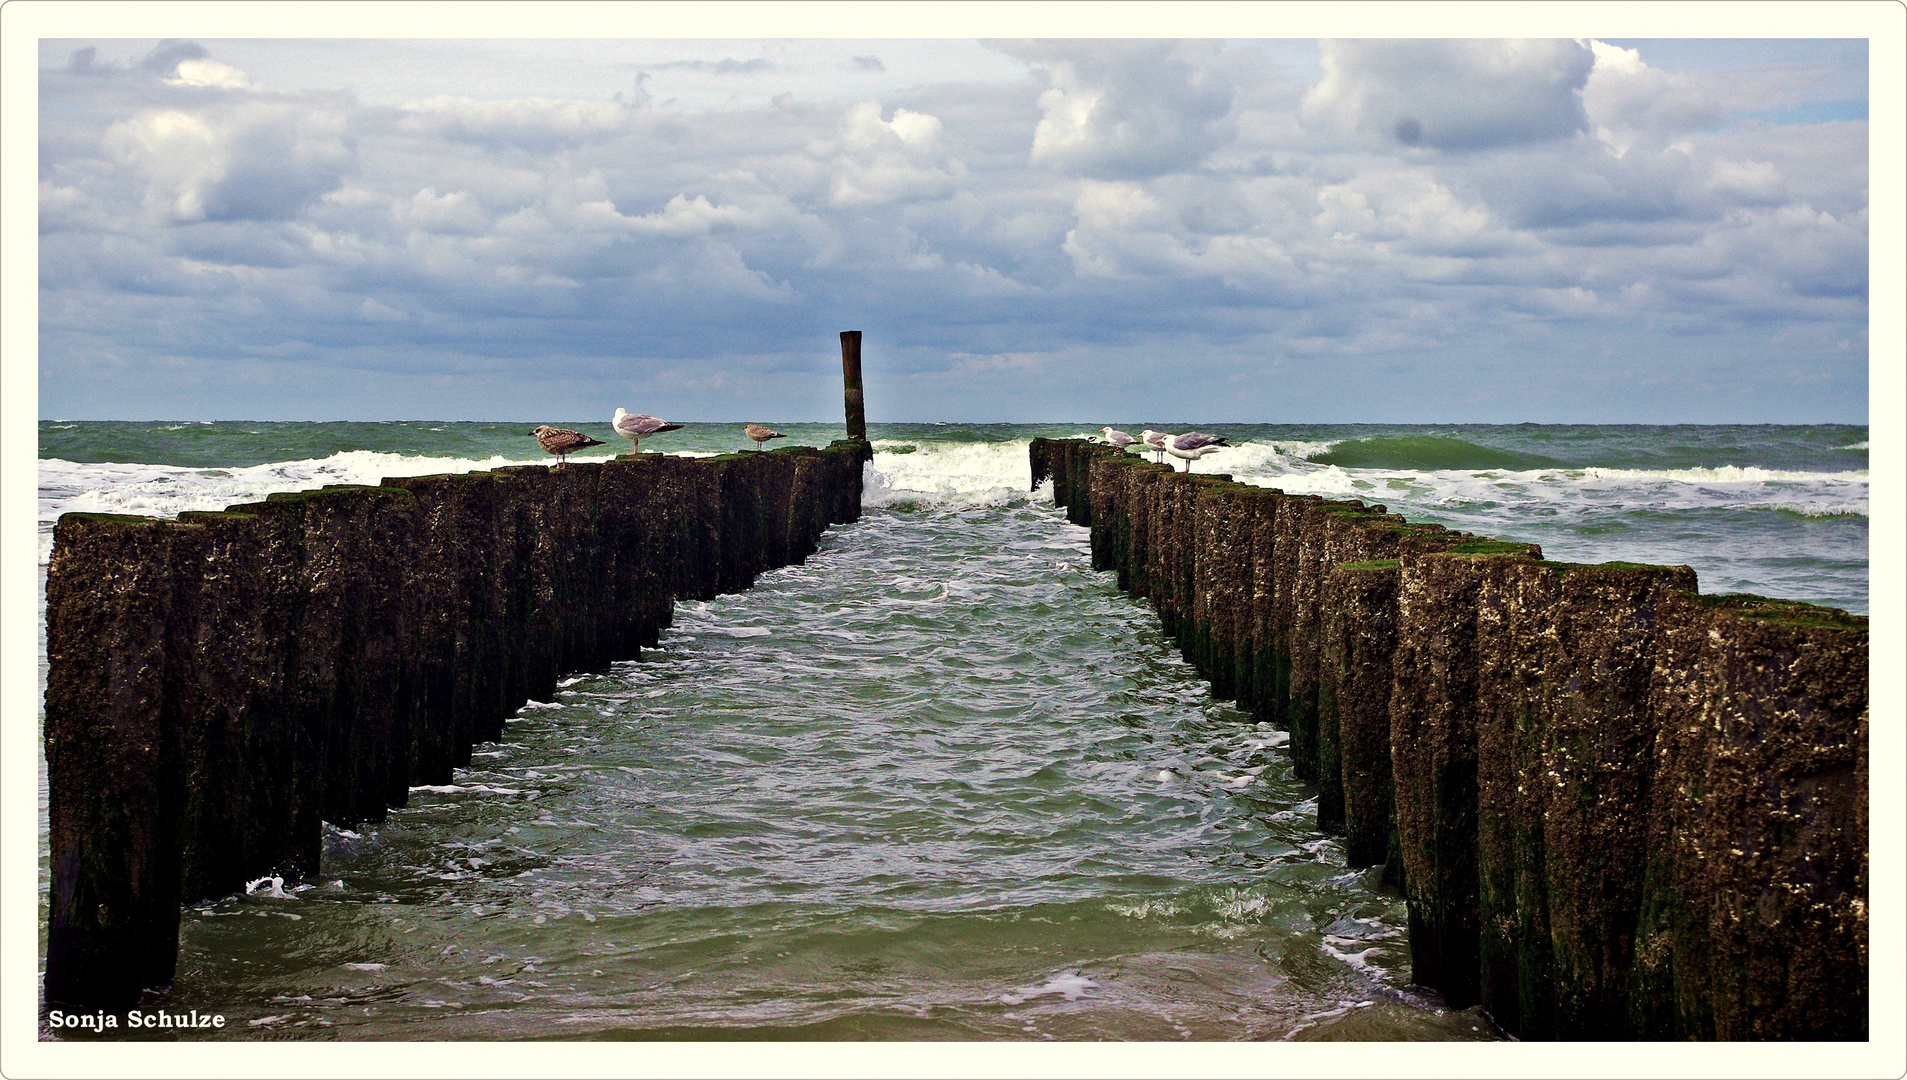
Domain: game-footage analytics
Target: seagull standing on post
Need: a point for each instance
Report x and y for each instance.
(1192, 446)
(561, 441)
(1155, 442)
(638, 426)
(761, 434)
(1118, 439)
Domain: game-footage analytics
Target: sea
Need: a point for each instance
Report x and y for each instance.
(943, 781)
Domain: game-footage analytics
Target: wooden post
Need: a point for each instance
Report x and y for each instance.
(851, 382)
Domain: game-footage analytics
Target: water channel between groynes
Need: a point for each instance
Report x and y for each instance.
(941, 782)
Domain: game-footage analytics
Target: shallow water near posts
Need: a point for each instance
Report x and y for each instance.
(941, 782)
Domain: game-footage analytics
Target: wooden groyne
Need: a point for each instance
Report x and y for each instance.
(1617, 809)
(221, 684)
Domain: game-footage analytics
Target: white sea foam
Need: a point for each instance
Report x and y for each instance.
(1344, 949)
(1830, 509)
(1143, 909)
(925, 472)
(450, 789)
(1311, 1020)
(1726, 474)
(1511, 496)
(947, 473)
(169, 490)
(741, 631)
(1070, 985)
(271, 885)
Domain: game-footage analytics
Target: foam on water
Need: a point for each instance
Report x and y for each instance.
(168, 490)
(1797, 533)
(1728, 474)
(1068, 984)
(928, 472)
(1508, 500)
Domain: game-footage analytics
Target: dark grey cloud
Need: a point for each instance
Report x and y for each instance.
(1014, 249)
(868, 63)
(165, 57)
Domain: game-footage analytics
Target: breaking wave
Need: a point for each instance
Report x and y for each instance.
(1427, 452)
(922, 472)
(169, 490)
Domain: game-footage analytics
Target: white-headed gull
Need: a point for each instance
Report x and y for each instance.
(1192, 446)
(1155, 442)
(638, 426)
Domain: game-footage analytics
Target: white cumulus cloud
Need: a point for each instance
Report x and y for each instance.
(1123, 109)
(1451, 94)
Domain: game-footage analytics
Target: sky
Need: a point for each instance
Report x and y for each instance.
(1241, 230)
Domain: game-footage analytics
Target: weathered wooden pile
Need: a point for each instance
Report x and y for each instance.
(1616, 808)
(221, 684)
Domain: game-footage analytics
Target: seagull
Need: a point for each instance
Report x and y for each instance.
(1119, 439)
(1192, 446)
(761, 434)
(560, 441)
(637, 426)
(1155, 441)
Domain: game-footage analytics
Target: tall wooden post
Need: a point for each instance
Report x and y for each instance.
(851, 383)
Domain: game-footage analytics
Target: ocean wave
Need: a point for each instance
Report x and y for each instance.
(947, 474)
(1507, 501)
(1426, 452)
(902, 472)
(1279, 457)
(166, 491)
(1811, 510)
(1257, 458)
(1330, 481)
(971, 473)
(1728, 474)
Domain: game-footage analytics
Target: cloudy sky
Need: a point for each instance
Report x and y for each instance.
(1208, 230)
